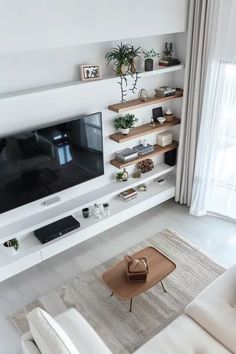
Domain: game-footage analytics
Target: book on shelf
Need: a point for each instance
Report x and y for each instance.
(128, 194)
(169, 62)
(143, 150)
(165, 91)
(126, 155)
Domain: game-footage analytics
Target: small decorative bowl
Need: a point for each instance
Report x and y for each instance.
(161, 120)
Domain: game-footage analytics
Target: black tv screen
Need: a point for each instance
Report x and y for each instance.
(37, 163)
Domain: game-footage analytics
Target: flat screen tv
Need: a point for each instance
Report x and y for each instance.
(40, 162)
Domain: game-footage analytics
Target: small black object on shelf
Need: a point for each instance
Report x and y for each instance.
(170, 157)
(156, 113)
(85, 212)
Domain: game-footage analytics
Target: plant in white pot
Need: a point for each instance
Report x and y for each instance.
(124, 123)
(11, 246)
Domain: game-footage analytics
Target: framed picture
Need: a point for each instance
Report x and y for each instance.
(90, 72)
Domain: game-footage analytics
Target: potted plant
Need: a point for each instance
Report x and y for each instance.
(119, 176)
(124, 123)
(11, 246)
(123, 57)
(148, 56)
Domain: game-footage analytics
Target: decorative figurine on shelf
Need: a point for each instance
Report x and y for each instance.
(169, 115)
(145, 165)
(106, 209)
(96, 211)
(152, 123)
(142, 95)
(142, 187)
(168, 50)
(125, 175)
(145, 143)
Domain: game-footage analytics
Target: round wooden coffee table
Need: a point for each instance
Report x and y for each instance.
(159, 267)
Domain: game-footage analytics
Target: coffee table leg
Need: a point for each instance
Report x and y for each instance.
(130, 304)
(163, 287)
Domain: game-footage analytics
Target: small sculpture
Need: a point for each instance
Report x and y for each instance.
(142, 95)
(145, 165)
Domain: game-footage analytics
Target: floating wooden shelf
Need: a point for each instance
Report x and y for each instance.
(134, 104)
(158, 150)
(143, 130)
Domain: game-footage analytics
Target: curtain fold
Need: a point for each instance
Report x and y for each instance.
(200, 31)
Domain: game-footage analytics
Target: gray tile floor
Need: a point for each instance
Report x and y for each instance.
(215, 236)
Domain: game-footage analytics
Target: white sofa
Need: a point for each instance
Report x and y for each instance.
(207, 326)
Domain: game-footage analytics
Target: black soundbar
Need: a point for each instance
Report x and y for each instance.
(56, 229)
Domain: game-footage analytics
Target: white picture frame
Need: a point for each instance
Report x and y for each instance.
(90, 72)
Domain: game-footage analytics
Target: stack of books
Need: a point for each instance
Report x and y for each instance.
(164, 139)
(126, 155)
(169, 62)
(165, 91)
(143, 150)
(128, 194)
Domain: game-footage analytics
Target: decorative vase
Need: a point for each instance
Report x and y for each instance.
(124, 131)
(96, 211)
(125, 175)
(123, 70)
(9, 250)
(148, 65)
(85, 212)
(106, 211)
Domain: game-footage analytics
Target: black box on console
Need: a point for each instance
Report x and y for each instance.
(56, 229)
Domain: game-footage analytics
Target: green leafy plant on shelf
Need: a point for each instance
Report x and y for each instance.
(123, 57)
(120, 176)
(12, 246)
(124, 123)
(150, 54)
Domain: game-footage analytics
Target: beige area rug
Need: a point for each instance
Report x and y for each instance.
(122, 331)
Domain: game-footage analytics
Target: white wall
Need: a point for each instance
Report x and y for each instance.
(33, 25)
(30, 59)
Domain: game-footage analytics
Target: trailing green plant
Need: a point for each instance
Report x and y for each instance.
(123, 57)
(150, 54)
(124, 122)
(123, 54)
(12, 243)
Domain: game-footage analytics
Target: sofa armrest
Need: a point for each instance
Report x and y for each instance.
(214, 309)
(28, 345)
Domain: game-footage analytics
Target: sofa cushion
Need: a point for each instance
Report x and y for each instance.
(182, 336)
(81, 333)
(48, 335)
(215, 309)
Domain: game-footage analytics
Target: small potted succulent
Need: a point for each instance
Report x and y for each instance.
(124, 123)
(120, 176)
(11, 246)
(148, 56)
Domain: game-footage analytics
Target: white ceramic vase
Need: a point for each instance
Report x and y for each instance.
(124, 131)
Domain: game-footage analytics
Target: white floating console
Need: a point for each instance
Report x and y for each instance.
(32, 252)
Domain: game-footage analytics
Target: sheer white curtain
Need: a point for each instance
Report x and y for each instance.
(214, 187)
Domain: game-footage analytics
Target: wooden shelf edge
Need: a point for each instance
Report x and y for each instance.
(142, 130)
(158, 151)
(135, 104)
